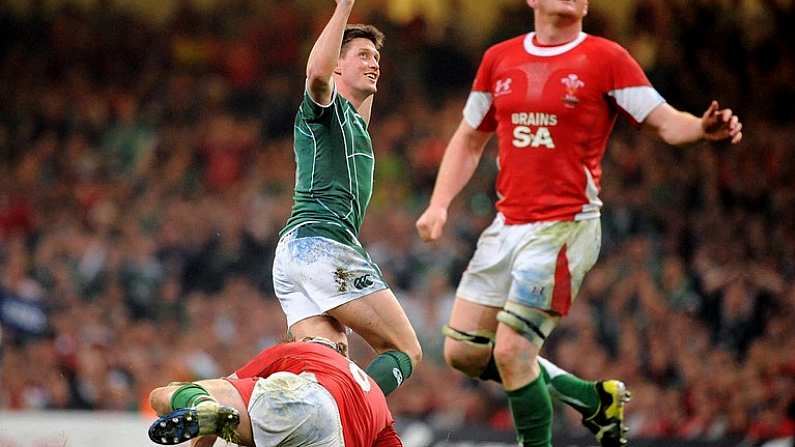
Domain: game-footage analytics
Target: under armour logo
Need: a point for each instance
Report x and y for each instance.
(363, 282)
(398, 375)
(502, 87)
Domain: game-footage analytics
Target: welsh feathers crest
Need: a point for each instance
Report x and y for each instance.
(572, 83)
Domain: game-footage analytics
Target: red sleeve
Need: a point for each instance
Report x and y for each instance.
(479, 109)
(388, 438)
(482, 82)
(628, 87)
(625, 70)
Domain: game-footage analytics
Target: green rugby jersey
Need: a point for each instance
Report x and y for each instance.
(334, 166)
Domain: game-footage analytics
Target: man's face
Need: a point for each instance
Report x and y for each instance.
(572, 9)
(358, 66)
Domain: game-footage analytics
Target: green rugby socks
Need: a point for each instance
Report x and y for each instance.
(389, 370)
(564, 386)
(188, 396)
(570, 389)
(532, 414)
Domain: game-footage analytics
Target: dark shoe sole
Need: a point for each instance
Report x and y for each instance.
(176, 427)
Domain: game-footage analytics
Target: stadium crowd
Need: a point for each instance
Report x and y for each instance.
(147, 168)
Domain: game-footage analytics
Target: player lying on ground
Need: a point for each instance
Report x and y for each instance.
(293, 394)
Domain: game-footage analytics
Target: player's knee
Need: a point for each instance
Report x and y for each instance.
(414, 351)
(504, 354)
(465, 358)
(160, 400)
(511, 353)
(407, 345)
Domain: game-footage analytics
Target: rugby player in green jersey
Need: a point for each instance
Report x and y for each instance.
(323, 277)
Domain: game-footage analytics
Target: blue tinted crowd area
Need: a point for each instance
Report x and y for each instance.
(147, 168)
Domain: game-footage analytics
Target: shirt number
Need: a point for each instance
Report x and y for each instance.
(360, 376)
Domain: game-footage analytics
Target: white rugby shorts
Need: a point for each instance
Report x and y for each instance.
(312, 275)
(539, 265)
(289, 410)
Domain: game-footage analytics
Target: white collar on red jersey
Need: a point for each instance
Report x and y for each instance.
(535, 50)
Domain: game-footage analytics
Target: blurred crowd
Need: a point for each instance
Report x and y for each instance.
(147, 168)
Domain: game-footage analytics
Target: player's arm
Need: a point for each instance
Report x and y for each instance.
(678, 128)
(461, 158)
(325, 53)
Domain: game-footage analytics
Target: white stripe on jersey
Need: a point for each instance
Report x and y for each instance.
(591, 209)
(354, 193)
(638, 102)
(476, 108)
(556, 50)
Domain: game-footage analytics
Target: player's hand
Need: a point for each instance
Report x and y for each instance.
(431, 223)
(721, 124)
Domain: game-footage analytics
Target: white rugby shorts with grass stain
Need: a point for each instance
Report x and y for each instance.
(289, 410)
(539, 265)
(312, 275)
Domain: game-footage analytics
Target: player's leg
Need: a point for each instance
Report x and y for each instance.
(380, 320)
(547, 273)
(600, 403)
(520, 335)
(469, 348)
(469, 339)
(486, 284)
(198, 409)
(480, 296)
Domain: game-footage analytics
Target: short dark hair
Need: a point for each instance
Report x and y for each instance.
(357, 30)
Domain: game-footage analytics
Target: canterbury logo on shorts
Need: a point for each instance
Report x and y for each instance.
(363, 282)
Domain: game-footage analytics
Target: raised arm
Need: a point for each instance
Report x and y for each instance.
(323, 58)
(676, 127)
(458, 164)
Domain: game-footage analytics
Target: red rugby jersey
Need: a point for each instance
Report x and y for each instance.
(366, 419)
(553, 108)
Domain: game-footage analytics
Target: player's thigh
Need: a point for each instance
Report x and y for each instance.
(227, 395)
(381, 321)
(487, 278)
(584, 248)
(550, 263)
(469, 316)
